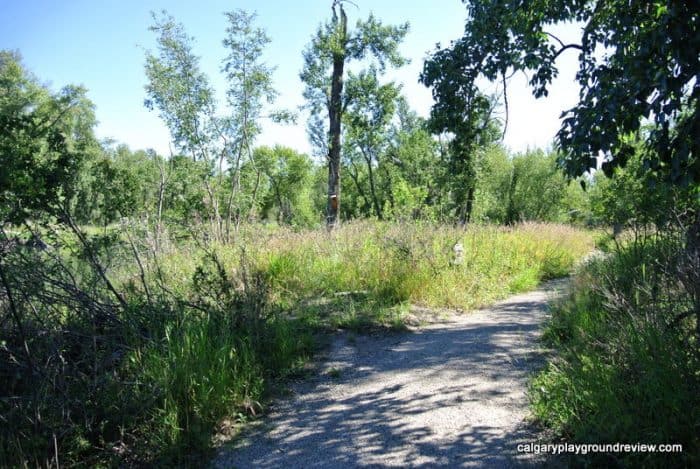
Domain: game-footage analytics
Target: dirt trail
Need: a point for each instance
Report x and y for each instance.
(450, 394)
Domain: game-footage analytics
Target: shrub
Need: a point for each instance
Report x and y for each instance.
(628, 368)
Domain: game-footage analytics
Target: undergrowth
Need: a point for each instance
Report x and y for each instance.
(627, 366)
(207, 331)
(392, 264)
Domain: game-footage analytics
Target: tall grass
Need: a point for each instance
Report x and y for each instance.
(368, 272)
(393, 263)
(209, 329)
(628, 367)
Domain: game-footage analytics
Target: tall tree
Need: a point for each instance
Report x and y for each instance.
(45, 139)
(638, 65)
(249, 88)
(466, 114)
(412, 166)
(179, 89)
(325, 61)
(368, 116)
(182, 94)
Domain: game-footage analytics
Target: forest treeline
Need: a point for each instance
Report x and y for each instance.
(149, 301)
(286, 187)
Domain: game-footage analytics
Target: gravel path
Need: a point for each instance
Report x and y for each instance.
(449, 394)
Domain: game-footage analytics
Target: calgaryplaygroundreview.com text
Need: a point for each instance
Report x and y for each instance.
(586, 448)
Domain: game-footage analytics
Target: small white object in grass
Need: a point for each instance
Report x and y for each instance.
(458, 251)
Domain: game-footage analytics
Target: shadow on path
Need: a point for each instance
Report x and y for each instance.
(446, 395)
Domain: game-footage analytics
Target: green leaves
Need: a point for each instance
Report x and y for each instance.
(369, 40)
(178, 88)
(45, 138)
(638, 63)
(249, 79)
(325, 60)
(380, 41)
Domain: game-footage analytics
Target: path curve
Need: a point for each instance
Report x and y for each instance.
(449, 394)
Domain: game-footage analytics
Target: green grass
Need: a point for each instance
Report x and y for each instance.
(626, 370)
(367, 273)
(385, 265)
(220, 329)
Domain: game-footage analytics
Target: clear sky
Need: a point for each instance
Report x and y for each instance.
(100, 44)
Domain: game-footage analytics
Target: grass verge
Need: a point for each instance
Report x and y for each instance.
(627, 368)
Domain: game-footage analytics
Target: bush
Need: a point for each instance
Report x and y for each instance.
(628, 368)
(87, 381)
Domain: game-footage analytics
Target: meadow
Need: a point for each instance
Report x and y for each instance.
(212, 330)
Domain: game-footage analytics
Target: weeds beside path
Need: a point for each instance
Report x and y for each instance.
(449, 394)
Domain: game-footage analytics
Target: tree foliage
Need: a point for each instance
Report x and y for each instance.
(367, 118)
(638, 63)
(466, 115)
(325, 60)
(288, 187)
(45, 138)
(179, 89)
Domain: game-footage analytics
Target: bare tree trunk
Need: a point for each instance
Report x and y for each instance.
(335, 112)
(372, 189)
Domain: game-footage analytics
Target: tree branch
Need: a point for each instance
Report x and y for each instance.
(568, 46)
(561, 43)
(505, 103)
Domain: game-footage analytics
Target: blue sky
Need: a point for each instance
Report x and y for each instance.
(100, 44)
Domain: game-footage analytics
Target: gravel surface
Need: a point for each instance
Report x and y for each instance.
(449, 394)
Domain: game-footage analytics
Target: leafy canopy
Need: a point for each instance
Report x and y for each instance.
(638, 65)
(178, 88)
(45, 138)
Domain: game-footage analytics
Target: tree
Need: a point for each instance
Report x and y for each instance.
(466, 114)
(249, 89)
(289, 185)
(413, 167)
(368, 116)
(325, 60)
(179, 89)
(182, 93)
(638, 68)
(45, 139)
(638, 63)
(184, 97)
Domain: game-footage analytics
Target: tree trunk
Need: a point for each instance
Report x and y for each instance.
(335, 112)
(254, 197)
(235, 183)
(511, 215)
(466, 215)
(355, 178)
(372, 188)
